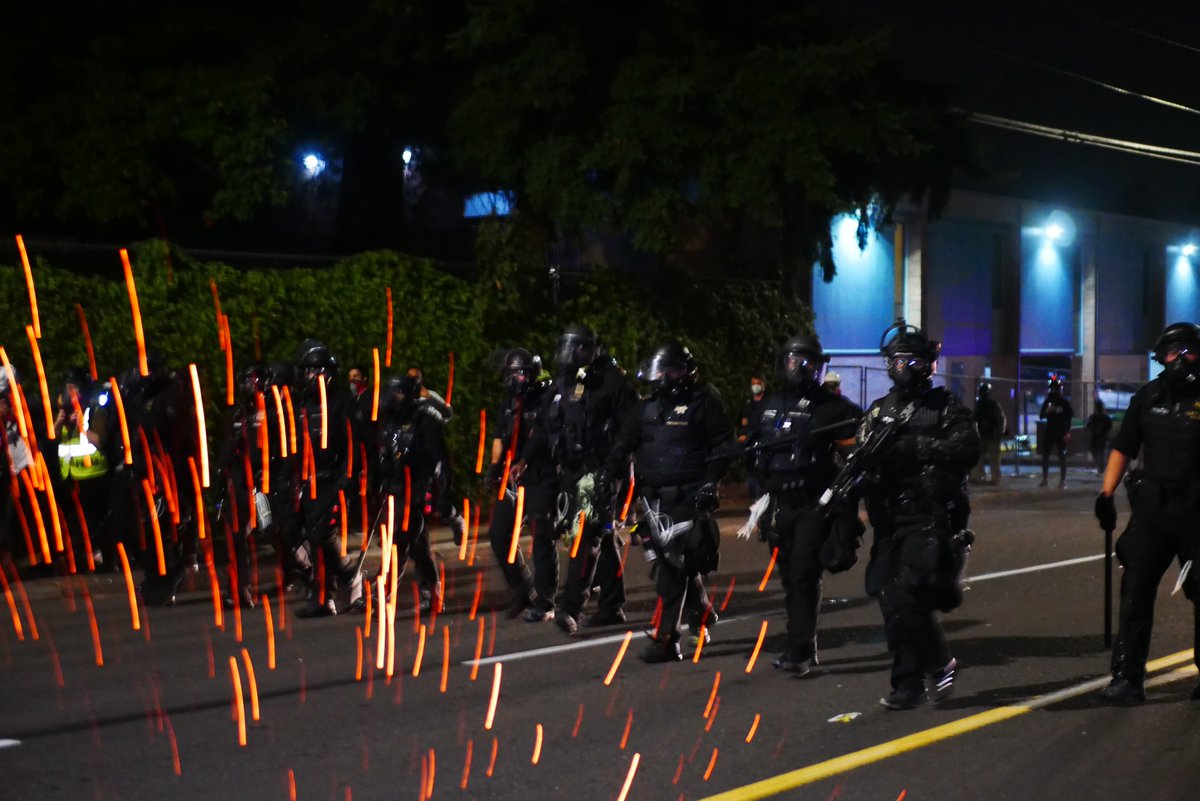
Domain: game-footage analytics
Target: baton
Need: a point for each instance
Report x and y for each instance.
(1108, 551)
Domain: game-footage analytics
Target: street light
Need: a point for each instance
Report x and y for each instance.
(1188, 249)
(313, 165)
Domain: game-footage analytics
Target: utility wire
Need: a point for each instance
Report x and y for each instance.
(1061, 134)
(1138, 31)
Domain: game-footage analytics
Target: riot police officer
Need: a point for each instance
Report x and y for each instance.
(1057, 412)
(918, 506)
(330, 430)
(792, 451)
(682, 445)
(411, 447)
(577, 426)
(990, 422)
(517, 418)
(83, 428)
(1162, 423)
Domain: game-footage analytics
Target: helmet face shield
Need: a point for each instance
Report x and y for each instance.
(802, 369)
(573, 352)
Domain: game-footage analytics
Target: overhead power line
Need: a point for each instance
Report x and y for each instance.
(1061, 134)
(1138, 31)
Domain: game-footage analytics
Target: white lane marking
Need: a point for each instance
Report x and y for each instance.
(592, 643)
(9, 743)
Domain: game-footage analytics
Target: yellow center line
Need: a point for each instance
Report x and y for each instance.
(877, 753)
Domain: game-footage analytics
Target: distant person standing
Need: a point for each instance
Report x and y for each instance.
(989, 419)
(1057, 412)
(748, 422)
(1098, 427)
(833, 382)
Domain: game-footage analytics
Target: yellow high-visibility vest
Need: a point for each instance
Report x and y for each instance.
(78, 458)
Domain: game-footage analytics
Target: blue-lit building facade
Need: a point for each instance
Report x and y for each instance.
(1016, 291)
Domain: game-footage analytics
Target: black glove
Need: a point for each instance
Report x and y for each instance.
(707, 498)
(1106, 511)
(492, 477)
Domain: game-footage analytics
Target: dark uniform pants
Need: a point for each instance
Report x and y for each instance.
(538, 513)
(898, 574)
(681, 589)
(798, 528)
(596, 563)
(322, 520)
(1162, 528)
(414, 542)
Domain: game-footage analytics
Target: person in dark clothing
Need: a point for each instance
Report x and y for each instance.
(682, 446)
(748, 423)
(537, 483)
(918, 506)
(793, 454)
(412, 445)
(1098, 426)
(578, 424)
(1057, 412)
(330, 429)
(1162, 425)
(83, 427)
(990, 421)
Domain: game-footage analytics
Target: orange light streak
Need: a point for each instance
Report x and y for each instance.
(283, 449)
(252, 682)
(345, 522)
(133, 607)
(628, 499)
(87, 598)
(266, 605)
(358, 660)
(537, 745)
(628, 727)
(578, 534)
(52, 502)
(116, 391)
(762, 585)
(416, 671)
(753, 727)
(478, 593)
(215, 589)
(388, 360)
(633, 765)
(474, 539)
(407, 498)
(728, 593)
(432, 773)
(264, 440)
(16, 577)
(41, 374)
(174, 745)
(375, 385)
(212, 285)
(135, 309)
(516, 532)
(450, 381)
(324, 412)
(466, 513)
(33, 304)
(466, 774)
(87, 341)
(201, 532)
(712, 763)
(478, 651)
(158, 542)
(445, 658)
(699, 644)
(380, 640)
(762, 633)
(482, 436)
(287, 398)
(491, 713)
(228, 360)
(712, 696)
(713, 717)
(12, 606)
(238, 703)
(201, 428)
(37, 515)
(612, 671)
(492, 763)
(291, 785)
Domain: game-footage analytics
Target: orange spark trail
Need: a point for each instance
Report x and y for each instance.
(711, 764)
(432, 773)
(33, 304)
(516, 532)
(215, 587)
(445, 658)
(133, 607)
(174, 745)
(478, 593)
(713, 695)
(387, 362)
(264, 442)
(753, 728)
(116, 391)
(228, 360)
(200, 527)
(324, 412)
(291, 785)
(135, 309)
(16, 577)
(212, 285)
(17, 396)
(628, 499)
(537, 745)
(450, 380)
(358, 659)
(578, 534)
(201, 429)
(762, 585)
(492, 763)
(407, 498)
(266, 605)
(420, 652)
(87, 341)
(478, 650)
(48, 488)
(612, 671)
(381, 637)
(238, 703)
(628, 726)
(41, 374)
(699, 644)
(153, 514)
(762, 633)
(345, 522)
(482, 436)
(902, 795)
(713, 717)
(491, 713)
(474, 538)
(287, 404)
(633, 764)
(466, 774)
(283, 451)
(87, 598)
(253, 684)
(466, 537)
(37, 515)
(12, 606)
(728, 593)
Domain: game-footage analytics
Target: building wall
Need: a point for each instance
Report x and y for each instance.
(960, 270)
(853, 310)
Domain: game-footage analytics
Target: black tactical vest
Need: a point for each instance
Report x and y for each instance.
(791, 418)
(1171, 440)
(672, 450)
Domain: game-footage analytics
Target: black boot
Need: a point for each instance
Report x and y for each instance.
(939, 685)
(1124, 691)
(661, 651)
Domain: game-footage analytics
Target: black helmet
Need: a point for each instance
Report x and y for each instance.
(1054, 385)
(81, 379)
(519, 369)
(909, 354)
(314, 359)
(576, 347)
(985, 390)
(278, 374)
(670, 370)
(801, 360)
(401, 393)
(1182, 340)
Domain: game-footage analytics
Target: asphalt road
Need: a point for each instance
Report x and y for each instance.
(157, 719)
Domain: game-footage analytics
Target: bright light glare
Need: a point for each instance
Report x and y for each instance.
(1188, 249)
(407, 155)
(314, 165)
(1054, 232)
